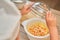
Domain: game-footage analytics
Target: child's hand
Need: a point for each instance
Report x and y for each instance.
(26, 8)
(51, 20)
(51, 23)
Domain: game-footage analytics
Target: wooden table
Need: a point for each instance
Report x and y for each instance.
(23, 35)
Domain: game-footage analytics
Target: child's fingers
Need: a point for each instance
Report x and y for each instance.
(47, 15)
(28, 10)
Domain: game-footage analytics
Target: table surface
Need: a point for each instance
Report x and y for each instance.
(23, 35)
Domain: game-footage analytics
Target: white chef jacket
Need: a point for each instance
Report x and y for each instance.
(9, 20)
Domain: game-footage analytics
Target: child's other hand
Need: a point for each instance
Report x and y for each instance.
(26, 8)
(50, 20)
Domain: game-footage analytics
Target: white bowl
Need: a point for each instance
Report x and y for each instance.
(32, 37)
